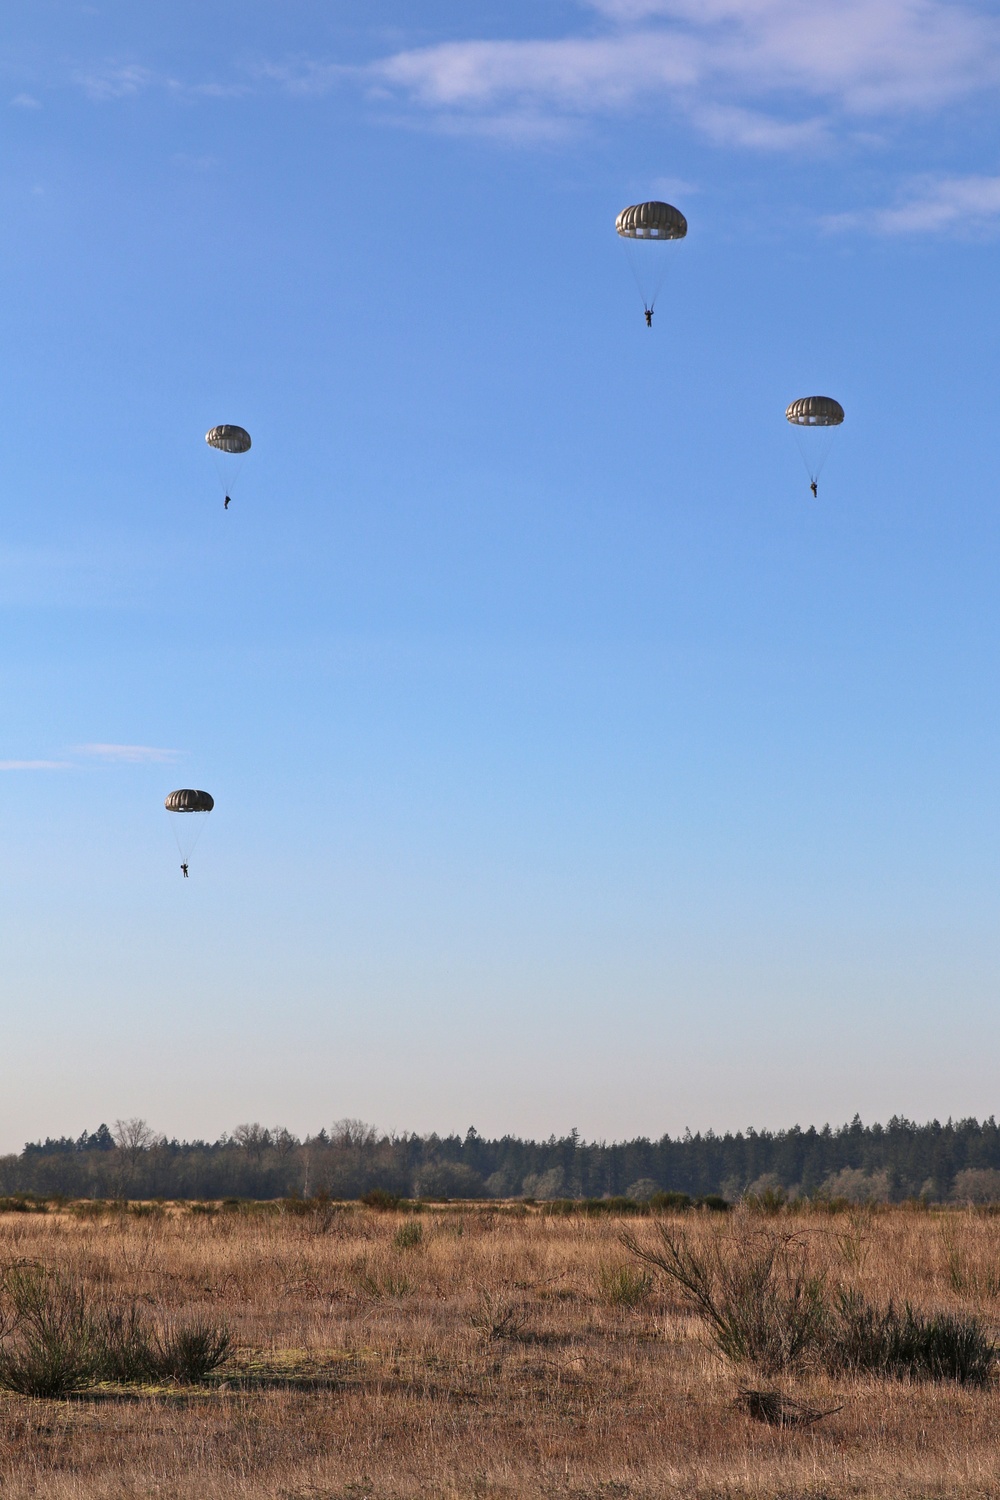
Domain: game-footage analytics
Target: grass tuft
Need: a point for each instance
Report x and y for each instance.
(498, 1315)
(622, 1285)
(410, 1234)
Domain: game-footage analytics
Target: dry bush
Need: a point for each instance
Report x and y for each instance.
(901, 1343)
(52, 1339)
(189, 1353)
(754, 1288)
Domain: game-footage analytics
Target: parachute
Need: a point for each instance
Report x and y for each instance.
(187, 833)
(230, 445)
(651, 221)
(228, 439)
(823, 415)
(642, 227)
(815, 411)
(189, 801)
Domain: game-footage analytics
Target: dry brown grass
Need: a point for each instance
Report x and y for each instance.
(490, 1359)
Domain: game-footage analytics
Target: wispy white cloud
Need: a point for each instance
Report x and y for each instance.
(304, 75)
(25, 101)
(36, 765)
(730, 125)
(133, 755)
(128, 80)
(129, 754)
(867, 55)
(751, 72)
(968, 205)
(116, 81)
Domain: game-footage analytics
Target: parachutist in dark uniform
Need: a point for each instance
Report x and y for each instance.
(185, 869)
(815, 488)
(226, 506)
(649, 317)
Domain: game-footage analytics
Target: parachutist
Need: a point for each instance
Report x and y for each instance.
(226, 506)
(185, 869)
(815, 488)
(649, 317)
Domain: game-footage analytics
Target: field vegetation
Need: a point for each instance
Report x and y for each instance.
(323, 1349)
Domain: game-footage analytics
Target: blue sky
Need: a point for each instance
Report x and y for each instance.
(572, 766)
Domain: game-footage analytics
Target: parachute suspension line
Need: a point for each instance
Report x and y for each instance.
(227, 477)
(805, 456)
(630, 253)
(826, 447)
(814, 449)
(633, 249)
(186, 850)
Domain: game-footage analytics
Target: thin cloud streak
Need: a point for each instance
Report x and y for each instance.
(730, 126)
(122, 81)
(129, 80)
(36, 765)
(129, 754)
(969, 204)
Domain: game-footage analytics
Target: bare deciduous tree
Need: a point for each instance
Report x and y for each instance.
(133, 1138)
(353, 1133)
(283, 1141)
(253, 1139)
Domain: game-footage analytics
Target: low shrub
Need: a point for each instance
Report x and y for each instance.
(298, 1208)
(51, 1345)
(754, 1290)
(188, 1353)
(379, 1199)
(670, 1202)
(594, 1207)
(123, 1344)
(23, 1204)
(90, 1208)
(54, 1339)
(769, 1202)
(905, 1344)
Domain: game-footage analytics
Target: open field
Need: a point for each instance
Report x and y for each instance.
(488, 1351)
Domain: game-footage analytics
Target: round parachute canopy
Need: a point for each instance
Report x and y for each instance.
(189, 801)
(815, 411)
(229, 439)
(651, 221)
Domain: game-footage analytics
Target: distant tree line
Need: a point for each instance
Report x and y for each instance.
(892, 1163)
